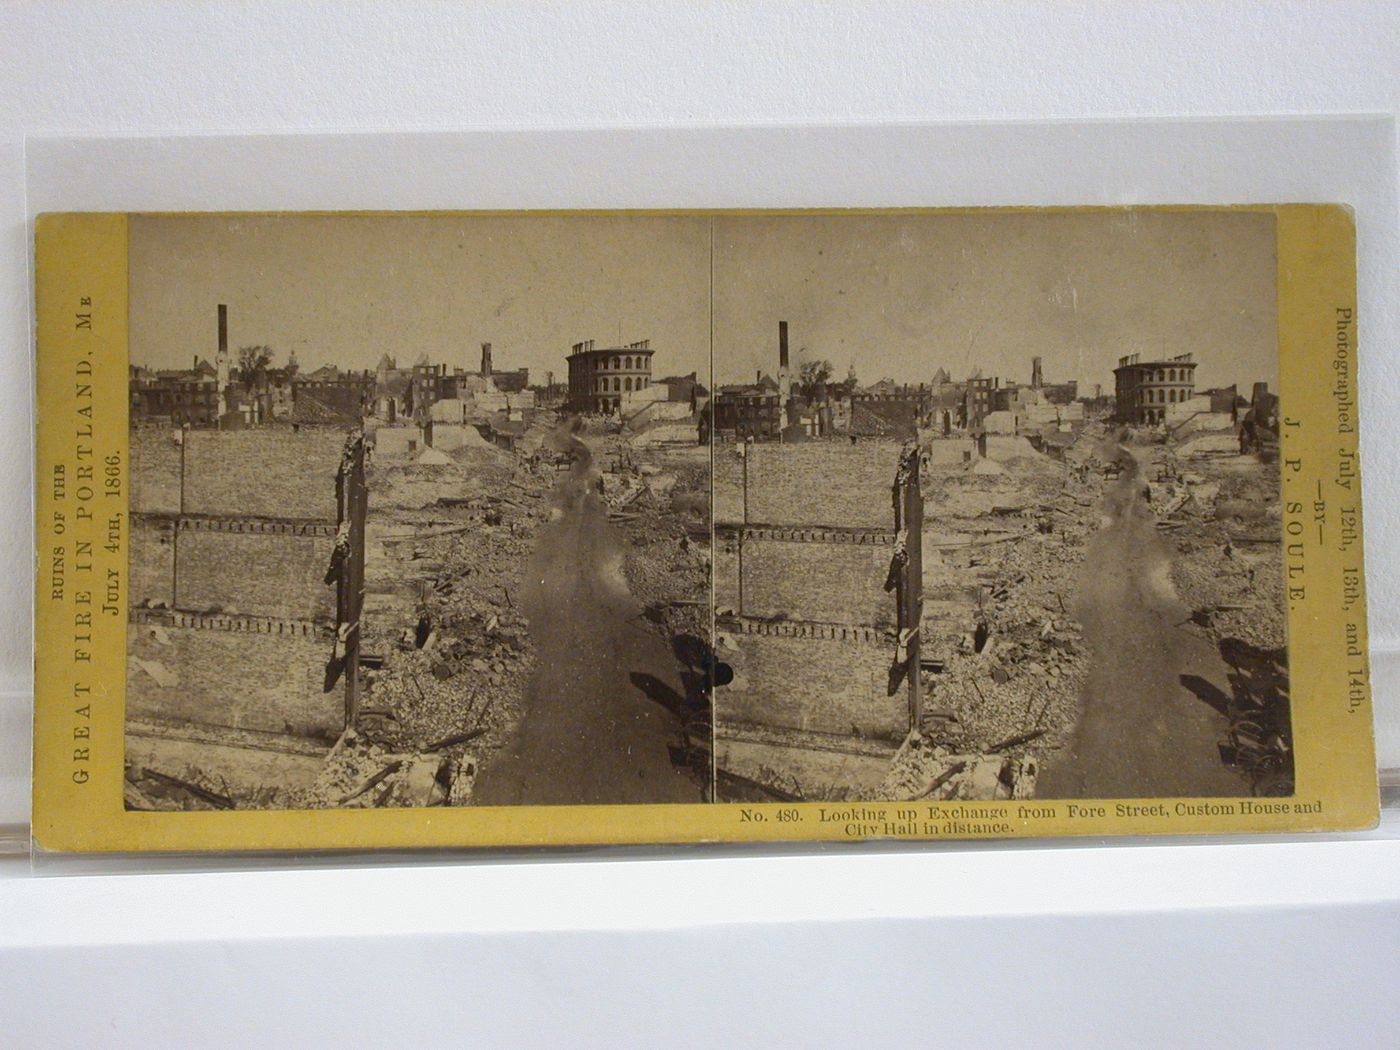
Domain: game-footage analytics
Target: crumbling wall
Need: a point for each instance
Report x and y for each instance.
(814, 634)
(246, 643)
(265, 682)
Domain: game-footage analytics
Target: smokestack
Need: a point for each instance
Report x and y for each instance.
(1036, 379)
(782, 345)
(486, 360)
(221, 376)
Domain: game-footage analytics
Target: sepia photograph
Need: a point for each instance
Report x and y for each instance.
(788, 507)
(997, 507)
(419, 511)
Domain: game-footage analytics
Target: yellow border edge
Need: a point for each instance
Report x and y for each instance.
(80, 666)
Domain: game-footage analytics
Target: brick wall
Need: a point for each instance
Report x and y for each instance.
(266, 683)
(256, 574)
(273, 472)
(826, 582)
(815, 685)
(155, 471)
(239, 678)
(152, 562)
(809, 483)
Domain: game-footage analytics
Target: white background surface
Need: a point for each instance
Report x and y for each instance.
(1212, 945)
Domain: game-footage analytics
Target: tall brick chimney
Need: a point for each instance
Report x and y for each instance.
(221, 362)
(1036, 379)
(784, 375)
(486, 360)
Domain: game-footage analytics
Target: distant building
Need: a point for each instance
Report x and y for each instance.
(978, 400)
(175, 396)
(599, 377)
(1144, 389)
(748, 411)
(330, 396)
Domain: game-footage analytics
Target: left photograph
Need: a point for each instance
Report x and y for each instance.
(420, 511)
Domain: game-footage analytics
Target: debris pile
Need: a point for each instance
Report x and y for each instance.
(1225, 518)
(1006, 687)
(448, 546)
(923, 771)
(361, 774)
(666, 535)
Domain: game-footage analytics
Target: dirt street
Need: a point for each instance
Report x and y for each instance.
(595, 725)
(1143, 731)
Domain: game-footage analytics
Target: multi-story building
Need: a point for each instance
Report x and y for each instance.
(331, 396)
(744, 411)
(175, 396)
(978, 398)
(1144, 389)
(600, 376)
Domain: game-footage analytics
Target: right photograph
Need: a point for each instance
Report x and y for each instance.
(997, 506)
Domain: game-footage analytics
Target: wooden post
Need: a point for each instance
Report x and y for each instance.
(744, 455)
(909, 591)
(352, 504)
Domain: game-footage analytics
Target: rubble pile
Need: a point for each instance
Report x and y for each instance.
(1009, 684)
(449, 647)
(923, 771)
(665, 534)
(362, 774)
(1006, 688)
(455, 648)
(1224, 517)
(194, 788)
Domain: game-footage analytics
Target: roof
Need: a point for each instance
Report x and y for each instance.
(745, 390)
(1167, 363)
(679, 388)
(599, 351)
(311, 409)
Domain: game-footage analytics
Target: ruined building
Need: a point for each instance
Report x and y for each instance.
(599, 377)
(1144, 389)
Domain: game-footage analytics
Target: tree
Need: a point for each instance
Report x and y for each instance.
(845, 387)
(253, 362)
(812, 375)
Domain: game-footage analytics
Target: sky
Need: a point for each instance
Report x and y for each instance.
(344, 290)
(901, 295)
(897, 295)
